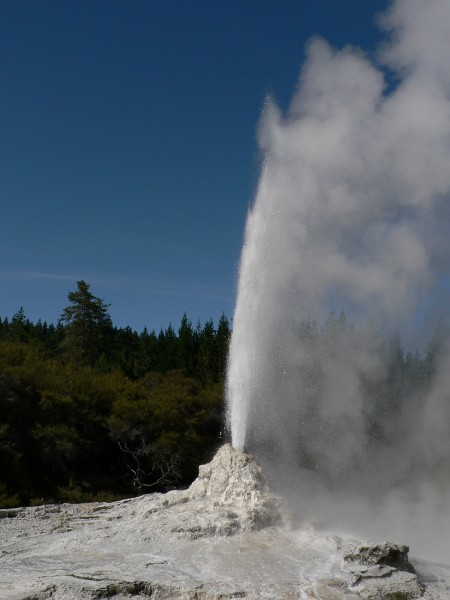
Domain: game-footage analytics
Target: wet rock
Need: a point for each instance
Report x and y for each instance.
(387, 555)
(382, 571)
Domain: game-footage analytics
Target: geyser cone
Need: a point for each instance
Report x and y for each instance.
(232, 477)
(235, 481)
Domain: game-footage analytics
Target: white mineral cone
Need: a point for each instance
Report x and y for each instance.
(234, 482)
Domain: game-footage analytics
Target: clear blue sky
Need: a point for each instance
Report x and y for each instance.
(128, 144)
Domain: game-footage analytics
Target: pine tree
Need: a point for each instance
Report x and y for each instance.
(223, 336)
(20, 326)
(187, 343)
(88, 325)
(206, 353)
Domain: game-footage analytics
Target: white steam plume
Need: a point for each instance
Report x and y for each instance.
(352, 211)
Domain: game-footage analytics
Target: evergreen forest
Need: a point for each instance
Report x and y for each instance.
(90, 411)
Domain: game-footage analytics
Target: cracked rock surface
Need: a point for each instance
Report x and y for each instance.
(382, 569)
(227, 536)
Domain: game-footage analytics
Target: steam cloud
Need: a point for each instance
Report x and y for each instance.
(352, 211)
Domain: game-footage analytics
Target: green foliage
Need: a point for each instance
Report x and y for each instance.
(8, 500)
(93, 412)
(162, 416)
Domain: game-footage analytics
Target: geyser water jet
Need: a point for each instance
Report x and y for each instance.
(351, 211)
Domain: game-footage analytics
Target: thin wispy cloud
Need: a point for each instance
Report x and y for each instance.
(144, 286)
(34, 275)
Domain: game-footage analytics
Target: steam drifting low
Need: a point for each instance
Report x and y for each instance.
(352, 211)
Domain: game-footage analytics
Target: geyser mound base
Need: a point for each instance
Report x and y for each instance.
(227, 536)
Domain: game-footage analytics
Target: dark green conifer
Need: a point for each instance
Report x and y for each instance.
(88, 325)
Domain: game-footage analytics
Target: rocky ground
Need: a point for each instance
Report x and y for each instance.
(227, 536)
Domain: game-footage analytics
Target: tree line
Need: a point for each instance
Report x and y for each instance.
(91, 411)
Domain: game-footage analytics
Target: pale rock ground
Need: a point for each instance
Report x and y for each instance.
(227, 536)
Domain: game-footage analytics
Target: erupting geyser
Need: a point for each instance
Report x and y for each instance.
(352, 212)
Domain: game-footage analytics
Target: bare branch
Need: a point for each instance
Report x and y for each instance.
(149, 466)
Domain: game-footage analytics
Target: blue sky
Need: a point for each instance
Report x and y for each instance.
(128, 154)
